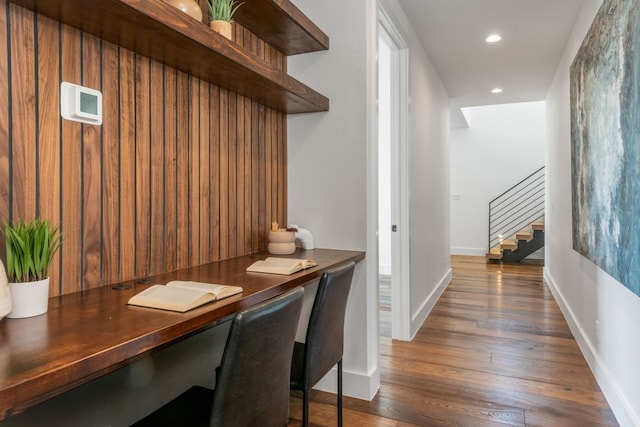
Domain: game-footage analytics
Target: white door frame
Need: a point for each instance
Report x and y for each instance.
(400, 251)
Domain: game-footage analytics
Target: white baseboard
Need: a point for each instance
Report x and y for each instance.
(469, 251)
(418, 319)
(358, 385)
(622, 409)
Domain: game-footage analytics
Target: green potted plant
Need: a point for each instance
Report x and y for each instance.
(30, 250)
(221, 15)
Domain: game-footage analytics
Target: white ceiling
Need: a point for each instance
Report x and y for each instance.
(534, 35)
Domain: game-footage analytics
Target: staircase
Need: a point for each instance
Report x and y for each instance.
(516, 220)
(520, 245)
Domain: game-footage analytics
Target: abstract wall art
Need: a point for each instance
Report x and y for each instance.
(605, 142)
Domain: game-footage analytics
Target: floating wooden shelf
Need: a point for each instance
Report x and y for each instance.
(161, 32)
(281, 24)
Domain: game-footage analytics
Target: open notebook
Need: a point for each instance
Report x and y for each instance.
(286, 266)
(181, 295)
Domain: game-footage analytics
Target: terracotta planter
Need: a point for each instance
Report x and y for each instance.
(190, 7)
(222, 27)
(282, 242)
(29, 299)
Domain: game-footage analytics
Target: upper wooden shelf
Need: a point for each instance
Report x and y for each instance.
(281, 24)
(161, 32)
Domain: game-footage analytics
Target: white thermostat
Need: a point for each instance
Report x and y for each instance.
(80, 104)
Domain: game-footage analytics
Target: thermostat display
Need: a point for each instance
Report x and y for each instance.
(80, 104)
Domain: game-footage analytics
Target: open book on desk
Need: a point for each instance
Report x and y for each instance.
(284, 266)
(179, 295)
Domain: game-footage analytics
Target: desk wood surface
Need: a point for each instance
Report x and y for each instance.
(88, 334)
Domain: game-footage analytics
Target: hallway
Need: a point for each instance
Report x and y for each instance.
(495, 351)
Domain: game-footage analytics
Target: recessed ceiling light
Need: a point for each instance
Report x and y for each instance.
(496, 90)
(493, 38)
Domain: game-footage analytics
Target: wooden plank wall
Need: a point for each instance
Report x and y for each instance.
(180, 173)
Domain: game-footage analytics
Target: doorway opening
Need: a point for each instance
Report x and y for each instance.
(384, 185)
(393, 204)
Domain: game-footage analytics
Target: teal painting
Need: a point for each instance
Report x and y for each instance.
(605, 142)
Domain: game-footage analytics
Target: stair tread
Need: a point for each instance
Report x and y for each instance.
(509, 244)
(494, 253)
(523, 235)
(537, 226)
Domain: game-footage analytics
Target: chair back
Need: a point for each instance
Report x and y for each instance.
(325, 333)
(252, 382)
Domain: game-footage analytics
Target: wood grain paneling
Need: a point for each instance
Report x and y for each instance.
(24, 164)
(214, 170)
(48, 118)
(71, 165)
(156, 176)
(177, 175)
(223, 129)
(233, 179)
(203, 158)
(5, 119)
(143, 165)
(182, 191)
(111, 167)
(92, 163)
(240, 177)
(127, 161)
(170, 168)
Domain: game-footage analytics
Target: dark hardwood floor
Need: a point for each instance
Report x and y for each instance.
(384, 300)
(495, 351)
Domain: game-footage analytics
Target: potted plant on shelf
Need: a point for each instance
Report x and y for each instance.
(221, 15)
(30, 250)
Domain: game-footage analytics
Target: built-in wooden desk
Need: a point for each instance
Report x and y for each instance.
(88, 334)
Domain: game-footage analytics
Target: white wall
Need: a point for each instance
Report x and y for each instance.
(604, 315)
(328, 163)
(333, 170)
(429, 176)
(502, 145)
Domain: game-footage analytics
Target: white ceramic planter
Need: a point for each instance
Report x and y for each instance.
(29, 299)
(282, 242)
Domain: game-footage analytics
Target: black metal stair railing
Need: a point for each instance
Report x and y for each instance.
(517, 207)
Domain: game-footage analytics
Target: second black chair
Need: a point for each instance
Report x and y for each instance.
(324, 342)
(251, 382)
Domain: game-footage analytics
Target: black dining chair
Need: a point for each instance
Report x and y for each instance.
(252, 380)
(324, 343)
